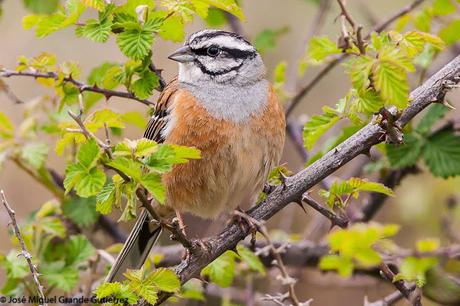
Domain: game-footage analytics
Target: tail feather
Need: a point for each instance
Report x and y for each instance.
(136, 248)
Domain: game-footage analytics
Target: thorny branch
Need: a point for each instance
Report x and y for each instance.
(304, 90)
(285, 278)
(24, 252)
(295, 186)
(409, 292)
(108, 93)
(341, 221)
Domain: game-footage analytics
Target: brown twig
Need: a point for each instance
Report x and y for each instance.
(409, 292)
(108, 93)
(388, 300)
(285, 278)
(335, 219)
(304, 90)
(24, 252)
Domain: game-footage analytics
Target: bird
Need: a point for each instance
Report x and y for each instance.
(220, 103)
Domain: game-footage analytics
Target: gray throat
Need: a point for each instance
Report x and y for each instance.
(235, 103)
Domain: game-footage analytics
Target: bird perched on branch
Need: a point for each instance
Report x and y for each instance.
(221, 104)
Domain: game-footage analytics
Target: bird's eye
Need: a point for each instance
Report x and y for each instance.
(213, 51)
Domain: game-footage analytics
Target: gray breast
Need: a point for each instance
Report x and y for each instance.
(228, 102)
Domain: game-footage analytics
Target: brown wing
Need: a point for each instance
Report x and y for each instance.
(161, 115)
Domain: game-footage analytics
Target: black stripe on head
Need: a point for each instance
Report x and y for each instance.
(217, 72)
(227, 52)
(214, 33)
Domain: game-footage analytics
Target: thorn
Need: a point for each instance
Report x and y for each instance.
(283, 179)
(447, 104)
(300, 203)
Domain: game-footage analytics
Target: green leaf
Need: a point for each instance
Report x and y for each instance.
(130, 167)
(117, 290)
(318, 125)
(443, 7)
(230, 6)
(95, 4)
(367, 102)
(407, 154)
(173, 29)
(222, 270)
(136, 41)
(60, 276)
(144, 86)
(88, 154)
(53, 226)
(135, 118)
(414, 269)
(322, 47)
(390, 80)
(96, 30)
(353, 187)
(35, 154)
(41, 6)
(6, 127)
(78, 250)
(103, 117)
(343, 265)
(414, 42)
(105, 199)
(152, 182)
(428, 245)
(442, 154)
(267, 39)
(423, 19)
(165, 280)
(82, 211)
(192, 290)
(251, 259)
(451, 33)
(359, 70)
(90, 183)
(15, 265)
(168, 155)
(215, 18)
(436, 112)
(143, 285)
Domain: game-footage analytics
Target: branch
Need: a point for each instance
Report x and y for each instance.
(24, 252)
(410, 293)
(108, 93)
(335, 219)
(433, 90)
(389, 300)
(304, 90)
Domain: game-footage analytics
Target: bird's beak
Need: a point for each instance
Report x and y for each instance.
(182, 55)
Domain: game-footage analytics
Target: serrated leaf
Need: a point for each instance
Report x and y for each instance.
(136, 40)
(414, 269)
(82, 211)
(96, 30)
(117, 290)
(165, 280)
(390, 80)
(152, 182)
(322, 47)
(317, 126)
(433, 115)
(105, 199)
(35, 154)
(78, 249)
(135, 118)
(90, 183)
(16, 265)
(359, 70)
(144, 86)
(367, 102)
(168, 155)
(53, 226)
(230, 6)
(128, 166)
(222, 270)
(88, 154)
(414, 42)
(60, 276)
(107, 117)
(406, 154)
(142, 285)
(251, 259)
(441, 153)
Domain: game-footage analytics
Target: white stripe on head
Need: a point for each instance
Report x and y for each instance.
(206, 38)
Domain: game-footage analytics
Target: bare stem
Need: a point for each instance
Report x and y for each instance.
(24, 252)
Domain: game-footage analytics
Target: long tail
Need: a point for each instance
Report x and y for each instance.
(136, 248)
